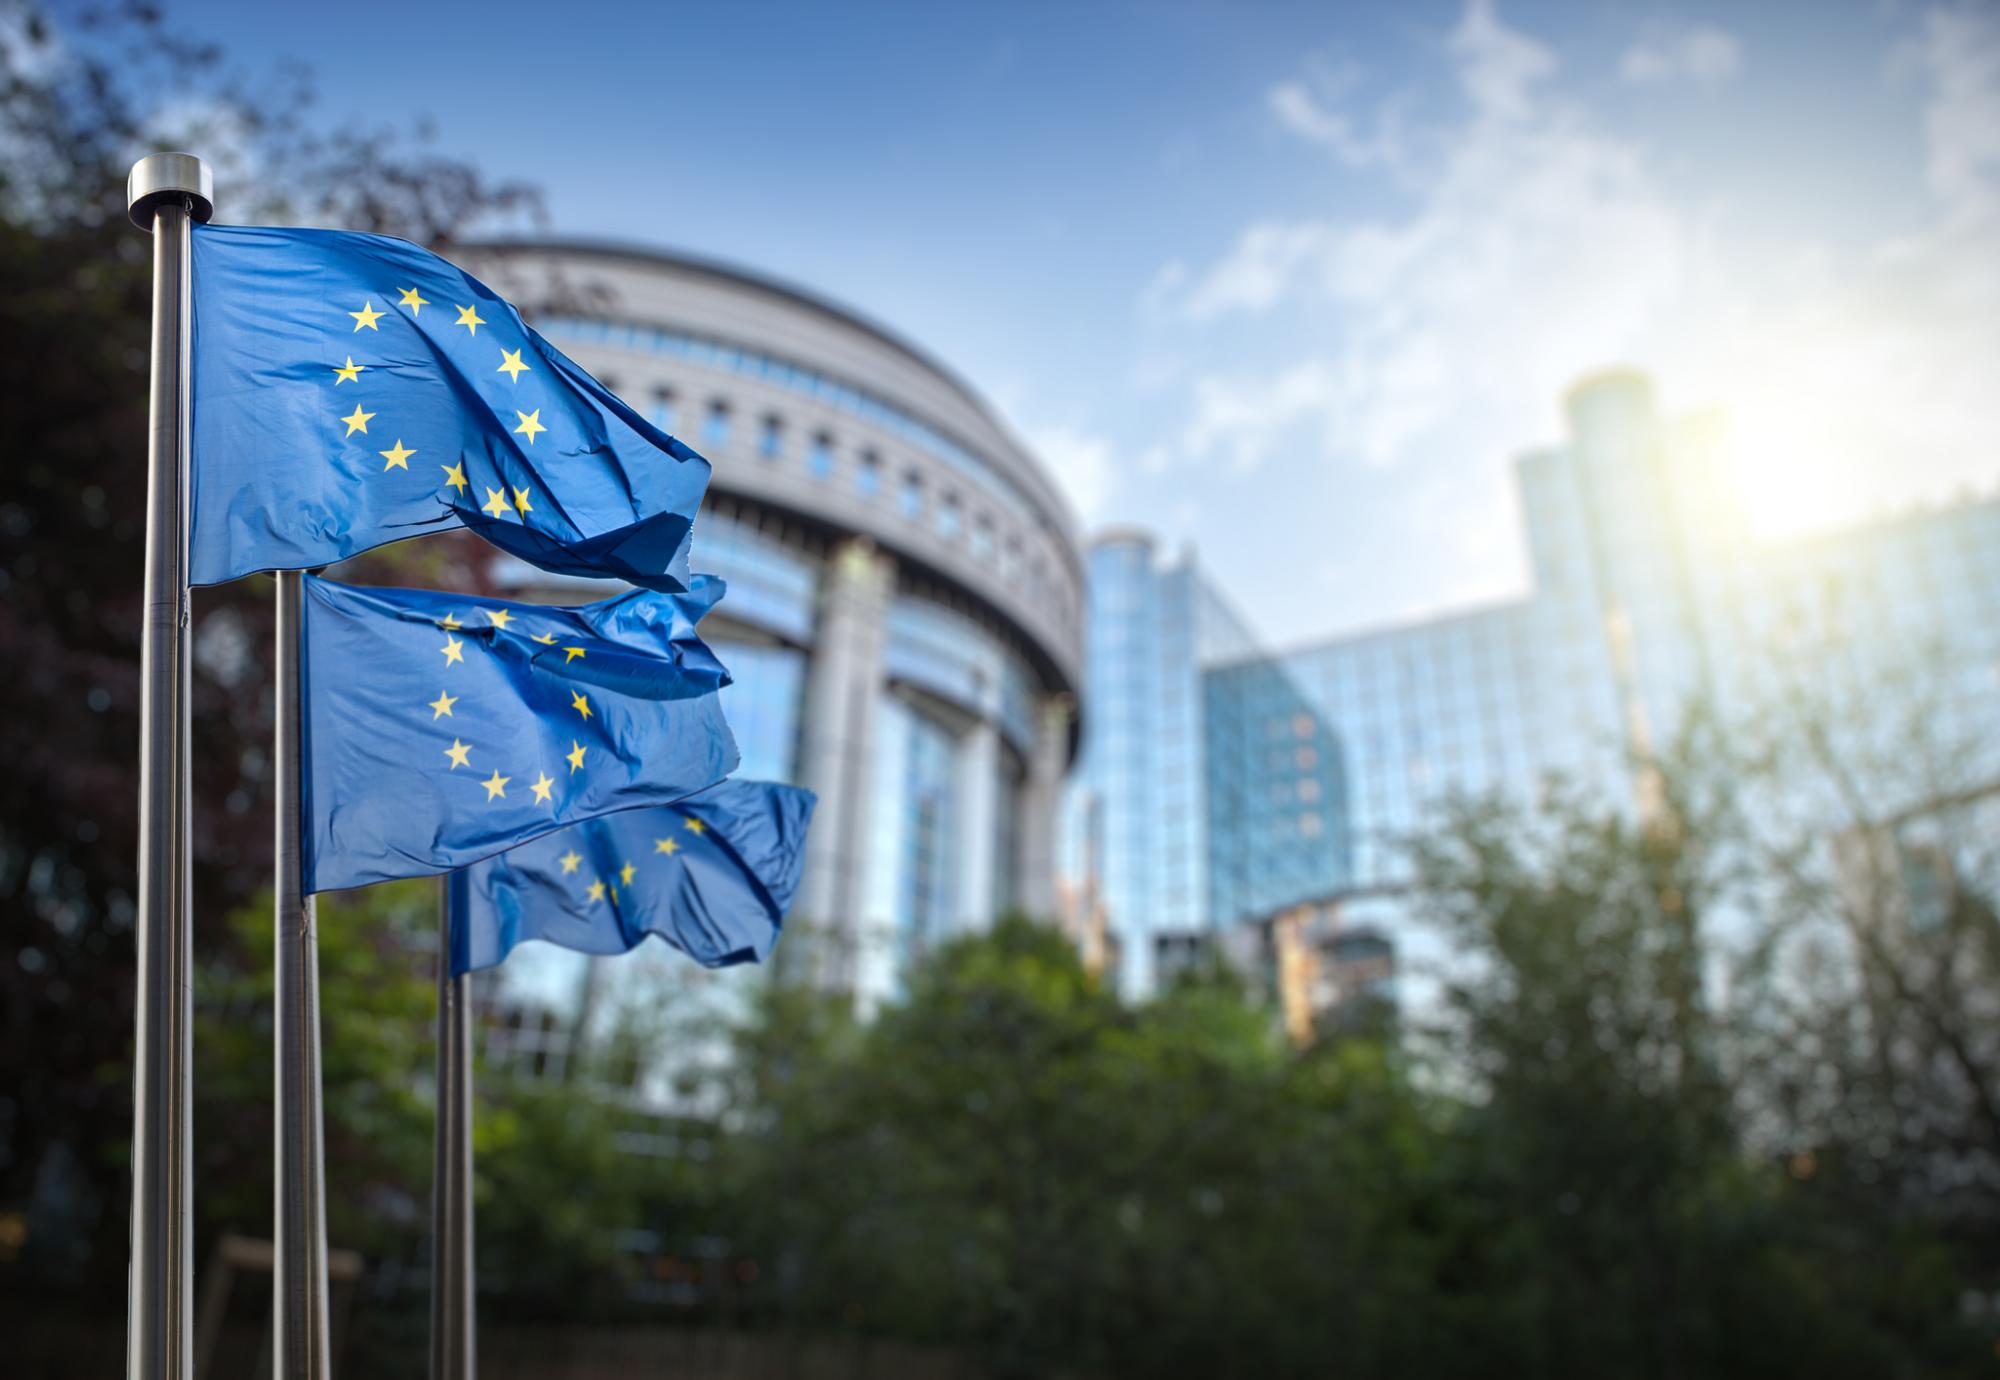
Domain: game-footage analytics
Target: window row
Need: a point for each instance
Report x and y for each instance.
(785, 374)
(871, 480)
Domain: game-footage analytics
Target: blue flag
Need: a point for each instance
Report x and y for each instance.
(712, 875)
(351, 390)
(439, 729)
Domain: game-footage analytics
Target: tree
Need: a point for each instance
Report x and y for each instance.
(75, 280)
(1629, 1212)
(1011, 1163)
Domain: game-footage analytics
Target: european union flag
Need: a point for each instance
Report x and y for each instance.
(351, 390)
(439, 729)
(713, 876)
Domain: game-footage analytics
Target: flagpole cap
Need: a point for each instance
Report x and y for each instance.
(160, 177)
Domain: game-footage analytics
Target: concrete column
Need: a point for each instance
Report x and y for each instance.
(978, 819)
(837, 740)
(1040, 803)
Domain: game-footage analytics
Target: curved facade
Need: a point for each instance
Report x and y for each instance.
(904, 617)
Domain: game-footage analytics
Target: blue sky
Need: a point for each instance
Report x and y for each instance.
(1294, 283)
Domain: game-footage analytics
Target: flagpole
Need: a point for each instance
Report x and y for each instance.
(300, 1338)
(165, 194)
(454, 1350)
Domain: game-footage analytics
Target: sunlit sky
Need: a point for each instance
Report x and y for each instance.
(1295, 283)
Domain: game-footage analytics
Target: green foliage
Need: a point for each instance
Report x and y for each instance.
(1012, 1161)
(1012, 1165)
(78, 101)
(376, 1060)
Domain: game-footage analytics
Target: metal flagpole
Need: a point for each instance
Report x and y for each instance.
(301, 1349)
(454, 1353)
(165, 194)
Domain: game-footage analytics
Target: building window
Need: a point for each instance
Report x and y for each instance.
(771, 440)
(868, 476)
(662, 414)
(913, 495)
(763, 704)
(715, 431)
(819, 459)
(948, 520)
(982, 539)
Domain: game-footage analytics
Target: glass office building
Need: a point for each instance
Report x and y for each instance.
(904, 616)
(1649, 593)
(1208, 792)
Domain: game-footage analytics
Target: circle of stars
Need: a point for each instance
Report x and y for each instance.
(507, 501)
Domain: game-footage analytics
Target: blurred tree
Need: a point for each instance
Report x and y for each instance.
(377, 1059)
(1617, 1216)
(1011, 1162)
(77, 104)
(1873, 1060)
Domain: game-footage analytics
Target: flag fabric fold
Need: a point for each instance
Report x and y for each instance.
(350, 390)
(439, 729)
(712, 875)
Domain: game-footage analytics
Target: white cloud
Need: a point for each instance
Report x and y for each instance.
(1159, 294)
(1081, 462)
(1305, 110)
(1533, 244)
(1537, 246)
(1697, 53)
(1960, 50)
(1267, 261)
(1244, 418)
(1498, 66)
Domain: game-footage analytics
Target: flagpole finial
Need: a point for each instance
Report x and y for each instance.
(169, 176)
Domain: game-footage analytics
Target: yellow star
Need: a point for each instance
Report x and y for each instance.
(414, 300)
(579, 704)
(625, 873)
(546, 639)
(442, 704)
(501, 618)
(531, 424)
(357, 420)
(469, 318)
(597, 891)
(456, 752)
(511, 366)
(695, 826)
(398, 459)
(496, 503)
(496, 785)
(367, 316)
(574, 756)
(450, 623)
(571, 654)
(667, 846)
(614, 895)
(541, 788)
(453, 650)
(349, 372)
(454, 475)
(569, 861)
(521, 501)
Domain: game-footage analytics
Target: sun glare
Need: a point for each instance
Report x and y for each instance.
(1799, 440)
